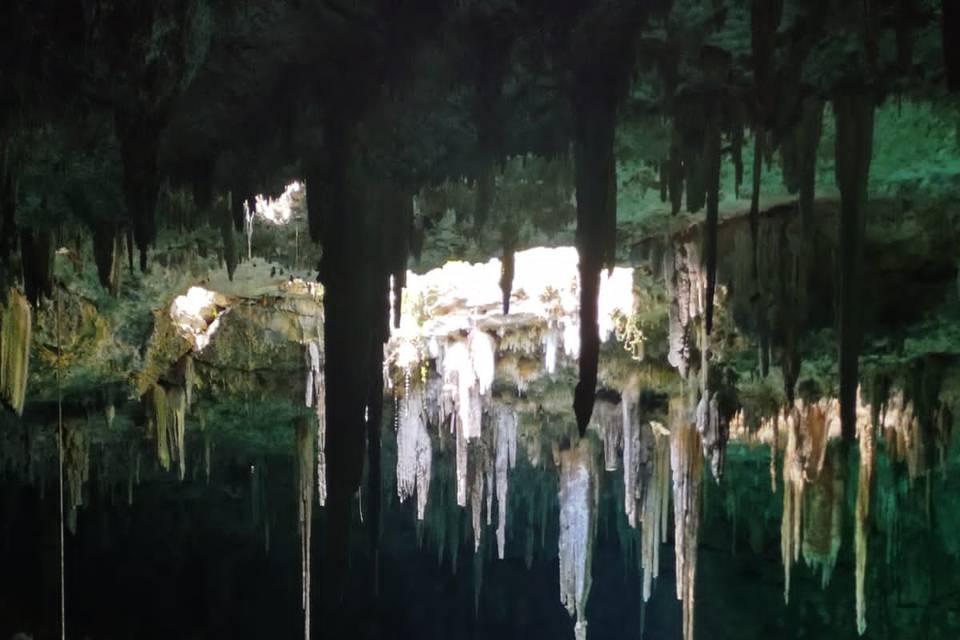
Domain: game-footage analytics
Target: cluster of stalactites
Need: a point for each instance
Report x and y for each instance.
(646, 483)
(166, 423)
(804, 461)
(15, 331)
(813, 484)
(686, 461)
(578, 524)
(656, 503)
(905, 437)
(467, 367)
(414, 450)
(315, 398)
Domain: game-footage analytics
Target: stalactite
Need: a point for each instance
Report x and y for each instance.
(462, 460)
(477, 582)
(414, 451)
(249, 214)
(684, 282)
(854, 146)
(823, 518)
(675, 174)
(630, 430)
(506, 274)
(866, 436)
(139, 140)
(76, 461)
(609, 421)
(711, 154)
(477, 468)
(157, 419)
(713, 434)
(578, 525)
(224, 215)
(177, 402)
(686, 458)
(166, 416)
(108, 254)
(462, 381)
(36, 254)
(305, 486)
(316, 398)
(16, 325)
(656, 503)
(736, 152)
(800, 148)
(793, 488)
(595, 117)
(506, 459)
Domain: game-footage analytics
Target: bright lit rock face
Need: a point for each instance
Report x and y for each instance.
(461, 297)
(196, 315)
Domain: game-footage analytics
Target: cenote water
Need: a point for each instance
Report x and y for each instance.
(485, 319)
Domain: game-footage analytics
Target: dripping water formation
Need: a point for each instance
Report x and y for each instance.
(595, 320)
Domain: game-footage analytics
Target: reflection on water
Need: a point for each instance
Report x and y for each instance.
(202, 509)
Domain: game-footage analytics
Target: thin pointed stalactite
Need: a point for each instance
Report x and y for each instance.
(793, 489)
(315, 398)
(686, 457)
(854, 146)
(631, 439)
(675, 174)
(595, 118)
(802, 148)
(224, 216)
(866, 434)
(139, 141)
(507, 269)
(579, 495)
(305, 486)
(16, 327)
(506, 459)
(711, 161)
(108, 255)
